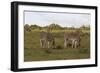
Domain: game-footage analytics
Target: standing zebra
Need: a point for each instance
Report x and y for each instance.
(47, 38)
(73, 38)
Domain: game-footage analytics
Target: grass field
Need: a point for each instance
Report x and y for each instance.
(33, 52)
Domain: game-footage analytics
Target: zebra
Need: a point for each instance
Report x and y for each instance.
(72, 38)
(47, 38)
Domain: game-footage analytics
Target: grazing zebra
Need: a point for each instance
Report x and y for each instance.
(47, 38)
(72, 38)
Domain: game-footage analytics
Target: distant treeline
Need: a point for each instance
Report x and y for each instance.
(53, 26)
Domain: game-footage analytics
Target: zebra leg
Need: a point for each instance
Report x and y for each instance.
(41, 43)
(48, 44)
(44, 43)
(76, 44)
(65, 43)
(73, 43)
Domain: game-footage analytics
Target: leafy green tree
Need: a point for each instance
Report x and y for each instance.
(35, 27)
(55, 26)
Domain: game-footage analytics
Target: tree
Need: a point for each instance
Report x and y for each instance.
(27, 27)
(55, 26)
(85, 27)
(35, 27)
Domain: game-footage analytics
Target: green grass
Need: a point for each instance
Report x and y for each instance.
(33, 52)
(55, 54)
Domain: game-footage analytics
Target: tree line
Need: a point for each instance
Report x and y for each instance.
(53, 26)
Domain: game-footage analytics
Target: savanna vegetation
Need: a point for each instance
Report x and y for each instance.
(34, 52)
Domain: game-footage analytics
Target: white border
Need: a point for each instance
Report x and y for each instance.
(22, 64)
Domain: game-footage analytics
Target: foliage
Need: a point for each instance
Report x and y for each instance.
(27, 27)
(85, 27)
(53, 26)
